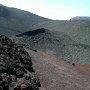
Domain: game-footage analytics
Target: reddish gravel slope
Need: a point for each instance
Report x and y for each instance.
(85, 68)
(56, 74)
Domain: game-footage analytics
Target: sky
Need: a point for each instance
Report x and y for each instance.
(53, 9)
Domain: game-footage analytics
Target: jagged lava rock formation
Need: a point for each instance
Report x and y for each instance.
(16, 71)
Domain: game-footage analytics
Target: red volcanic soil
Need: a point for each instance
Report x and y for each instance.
(84, 68)
(57, 74)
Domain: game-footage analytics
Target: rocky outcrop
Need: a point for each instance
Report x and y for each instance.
(33, 32)
(16, 71)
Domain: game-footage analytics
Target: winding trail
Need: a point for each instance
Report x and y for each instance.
(56, 74)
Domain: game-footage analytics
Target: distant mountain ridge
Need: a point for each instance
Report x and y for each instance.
(86, 18)
(13, 21)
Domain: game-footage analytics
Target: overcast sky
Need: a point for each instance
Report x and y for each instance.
(53, 9)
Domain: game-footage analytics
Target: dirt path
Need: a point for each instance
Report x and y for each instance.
(56, 74)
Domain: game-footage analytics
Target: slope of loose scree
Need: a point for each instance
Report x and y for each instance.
(16, 71)
(58, 42)
(78, 30)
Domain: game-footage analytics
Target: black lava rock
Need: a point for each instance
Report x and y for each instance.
(15, 63)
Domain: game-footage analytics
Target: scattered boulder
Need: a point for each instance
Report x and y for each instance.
(73, 64)
(35, 50)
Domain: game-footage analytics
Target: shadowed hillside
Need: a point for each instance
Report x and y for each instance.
(14, 21)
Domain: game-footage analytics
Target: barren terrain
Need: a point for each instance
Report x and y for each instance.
(84, 67)
(56, 74)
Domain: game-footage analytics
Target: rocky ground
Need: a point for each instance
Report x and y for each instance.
(20, 69)
(16, 71)
(57, 74)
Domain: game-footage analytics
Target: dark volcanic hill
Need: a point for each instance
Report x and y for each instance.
(16, 71)
(14, 21)
(59, 43)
